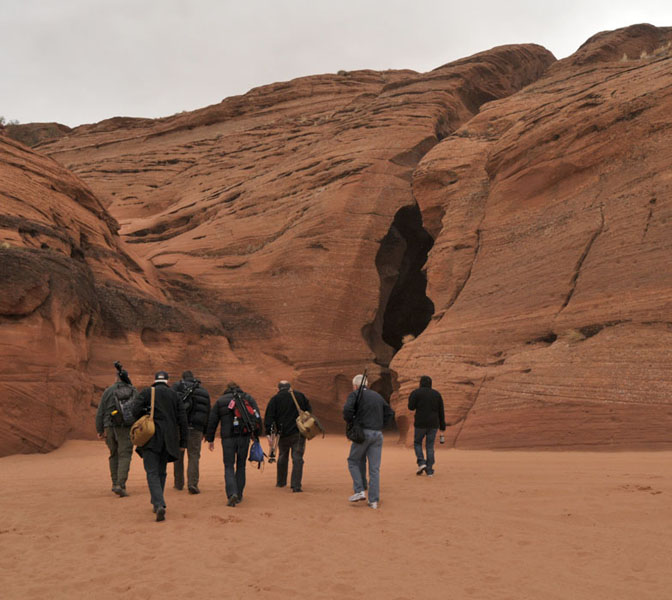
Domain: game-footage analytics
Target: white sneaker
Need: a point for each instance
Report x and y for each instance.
(421, 469)
(373, 504)
(357, 497)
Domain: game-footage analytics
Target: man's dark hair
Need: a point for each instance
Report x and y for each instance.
(187, 375)
(426, 381)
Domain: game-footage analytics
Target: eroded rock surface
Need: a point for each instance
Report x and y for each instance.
(550, 271)
(500, 223)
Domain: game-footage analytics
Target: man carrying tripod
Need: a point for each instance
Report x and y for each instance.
(196, 401)
(240, 421)
(369, 411)
(281, 415)
(115, 430)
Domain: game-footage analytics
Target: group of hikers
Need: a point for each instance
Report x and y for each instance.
(183, 418)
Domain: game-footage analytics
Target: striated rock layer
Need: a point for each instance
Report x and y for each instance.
(506, 213)
(550, 273)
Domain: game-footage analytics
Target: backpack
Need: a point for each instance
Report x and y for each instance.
(122, 413)
(256, 453)
(250, 422)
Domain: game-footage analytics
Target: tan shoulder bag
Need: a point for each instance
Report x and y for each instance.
(143, 429)
(307, 423)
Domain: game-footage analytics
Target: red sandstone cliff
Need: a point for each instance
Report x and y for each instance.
(284, 234)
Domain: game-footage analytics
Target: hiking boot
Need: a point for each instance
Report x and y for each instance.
(161, 513)
(194, 489)
(421, 469)
(357, 496)
(232, 501)
(373, 504)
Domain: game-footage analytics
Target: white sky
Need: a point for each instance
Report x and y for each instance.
(81, 61)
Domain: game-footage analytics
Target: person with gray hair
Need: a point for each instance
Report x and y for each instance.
(281, 415)
(372, 413)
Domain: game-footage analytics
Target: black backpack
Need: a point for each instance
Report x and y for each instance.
(122, 413)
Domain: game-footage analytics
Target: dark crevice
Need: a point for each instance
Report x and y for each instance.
(404, 308)
(582, 258)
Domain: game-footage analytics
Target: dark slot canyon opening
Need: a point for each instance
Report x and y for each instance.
(404, 307)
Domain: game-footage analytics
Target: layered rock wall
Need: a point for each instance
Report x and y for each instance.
(500, 223)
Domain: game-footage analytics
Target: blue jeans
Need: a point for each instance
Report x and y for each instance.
(430, 435)
(155, 467)
(370, 449)
(234, 450)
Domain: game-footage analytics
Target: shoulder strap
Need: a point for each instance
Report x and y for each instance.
(298, 408)
(151, 414)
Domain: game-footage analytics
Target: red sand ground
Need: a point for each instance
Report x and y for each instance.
(507, 525)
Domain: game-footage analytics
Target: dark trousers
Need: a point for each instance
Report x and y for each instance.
(234, 450)
(429, 435)
(297, 444)
(194, 456)
(155, 467)
(118, 442)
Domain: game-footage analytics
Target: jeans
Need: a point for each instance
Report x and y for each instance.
(234, 450)
(297, 444)
(370, 449)
(155, 467)
(430, 436)
(194, 455)
(118, 441)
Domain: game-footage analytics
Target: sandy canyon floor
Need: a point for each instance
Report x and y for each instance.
(489, 525)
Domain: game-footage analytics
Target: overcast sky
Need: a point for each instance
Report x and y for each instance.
(81, 61)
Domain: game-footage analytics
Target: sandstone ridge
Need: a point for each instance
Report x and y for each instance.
(498, 223)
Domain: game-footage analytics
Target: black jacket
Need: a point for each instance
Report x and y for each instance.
(281, 410)
(197, 417)
(372, 410)
(223, 412)
(170, 421)
(428, 406)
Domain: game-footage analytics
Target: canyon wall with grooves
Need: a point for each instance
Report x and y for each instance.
(500, 223)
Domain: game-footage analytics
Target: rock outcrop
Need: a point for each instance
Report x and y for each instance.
(498, 223)
(550, 270)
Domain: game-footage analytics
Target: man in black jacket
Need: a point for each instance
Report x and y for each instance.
(171, 433)
(372, 414)
(429, 416)
(237, 429)
(196, 402)
(281, 412)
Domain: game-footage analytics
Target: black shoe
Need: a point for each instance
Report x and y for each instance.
(296, 490)
(233, 500)
(161, 513)
(122, 493)
(116, 489)
(280, 484)
(421, 469)
(179, 488)
(193, 489)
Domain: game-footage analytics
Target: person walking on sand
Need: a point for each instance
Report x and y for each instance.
(373, 414)
(170, 436)
(196, 402)
(429, 417)
(237, 428)
(281, 415)
(111, 427)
